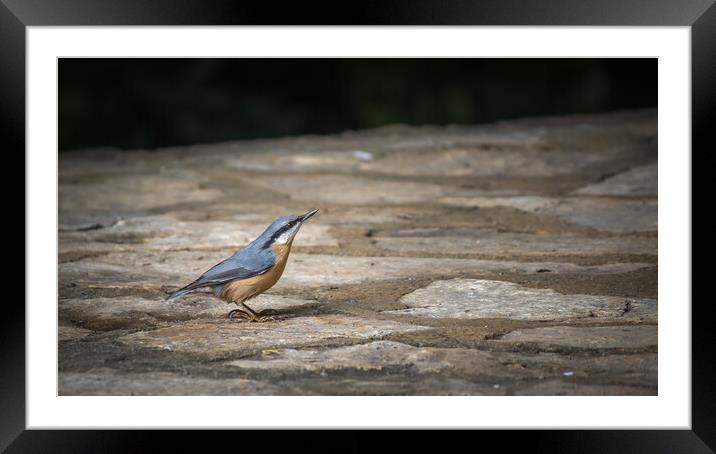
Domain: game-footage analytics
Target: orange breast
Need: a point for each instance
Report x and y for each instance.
(245, 289)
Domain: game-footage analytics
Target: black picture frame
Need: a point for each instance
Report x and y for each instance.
(16, 15)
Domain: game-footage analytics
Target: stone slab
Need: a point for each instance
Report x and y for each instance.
(350, 190)
(637, 181)
(498, 244)
(108, 382)
(69, 332)
(163, 233)
(133, 192)
(566, 387)
(595, 337)
(224, 337)
(386, 356)
(128, 312)
(479, 298)
(509, 160)
(608, 214)
(320, 269)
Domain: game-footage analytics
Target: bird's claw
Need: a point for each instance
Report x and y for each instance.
(251, 318)
(239, 311)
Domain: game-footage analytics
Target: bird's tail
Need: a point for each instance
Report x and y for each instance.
(176, 294)
(185, 290)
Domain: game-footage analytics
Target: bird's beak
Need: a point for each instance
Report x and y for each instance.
(305, 217)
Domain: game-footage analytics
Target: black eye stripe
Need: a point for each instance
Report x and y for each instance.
(283, 229)
(279, 232)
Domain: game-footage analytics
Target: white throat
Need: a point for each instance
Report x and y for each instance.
(288, 235)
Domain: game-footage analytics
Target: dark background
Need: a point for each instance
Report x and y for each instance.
(150, 103)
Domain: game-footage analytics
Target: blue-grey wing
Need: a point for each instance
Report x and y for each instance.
(242, 265)
(238, 266)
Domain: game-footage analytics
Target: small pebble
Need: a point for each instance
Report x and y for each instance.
(363, 155)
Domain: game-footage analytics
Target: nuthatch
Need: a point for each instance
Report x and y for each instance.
(253, 269)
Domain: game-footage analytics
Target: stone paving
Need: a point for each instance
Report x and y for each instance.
(516, 258)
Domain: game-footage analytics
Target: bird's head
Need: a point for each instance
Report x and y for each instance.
(283, 229)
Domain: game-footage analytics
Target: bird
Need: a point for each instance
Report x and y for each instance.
(253, 269)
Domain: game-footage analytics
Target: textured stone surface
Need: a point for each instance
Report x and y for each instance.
(68, 332)
(133, 192)
(372, 356)
(567, 387)
(128, 312)
(166, 233)
(608, 214)
(107, 382)
(380, 356)
(350, 190)
(476, 298)
(137, 270)
(498, 373)
(220, 337)
(515, 258)
(331, 270)
(592, 337)
(630, 369)
(480, 159)
(638, 181)
(496, 244)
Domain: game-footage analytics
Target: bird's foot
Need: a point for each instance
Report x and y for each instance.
(242, 312)
(250, 317)
(267, 315)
